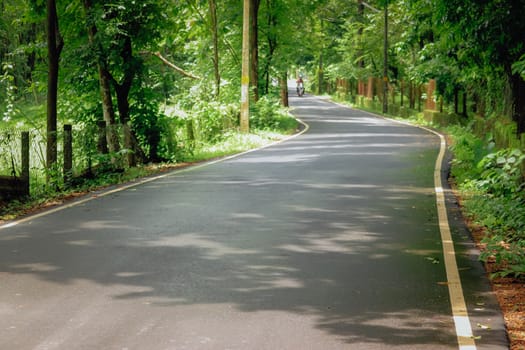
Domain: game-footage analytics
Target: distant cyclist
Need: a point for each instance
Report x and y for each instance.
(300, 86)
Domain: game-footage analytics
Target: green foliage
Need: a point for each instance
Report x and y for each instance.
(212, 119)
(10, 162)
(495, 199)
(267, 114)
(148, 123)
(491, 185)
(501, 173)
(468, 151)
(510, 255)
(7, 83)
(519, 67)
(231, 143)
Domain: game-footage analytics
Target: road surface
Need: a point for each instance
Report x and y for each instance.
(327, 241)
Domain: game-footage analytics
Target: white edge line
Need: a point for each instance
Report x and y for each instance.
(460, 316)
(94, 195)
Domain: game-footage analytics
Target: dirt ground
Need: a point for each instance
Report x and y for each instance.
(510, 293)
(511, 297)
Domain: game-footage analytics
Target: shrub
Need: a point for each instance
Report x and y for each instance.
(501, 173)
(468, 151)
(267, 114)
(496, 201)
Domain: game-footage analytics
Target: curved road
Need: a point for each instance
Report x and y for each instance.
(327, 241)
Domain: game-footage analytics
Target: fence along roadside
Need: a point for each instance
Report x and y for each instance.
(16, 186)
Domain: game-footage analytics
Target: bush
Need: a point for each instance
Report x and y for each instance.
(468, 151)
(267, 114)
(212, 120)
(496, 201)
(501, 173)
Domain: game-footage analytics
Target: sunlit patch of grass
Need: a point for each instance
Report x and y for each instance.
(235, 143)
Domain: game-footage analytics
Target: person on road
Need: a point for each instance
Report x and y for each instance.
(300, 85)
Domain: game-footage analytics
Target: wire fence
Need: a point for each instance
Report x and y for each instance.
(85, 154)
(11, 151)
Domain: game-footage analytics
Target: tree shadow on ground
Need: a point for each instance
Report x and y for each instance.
(353, 246)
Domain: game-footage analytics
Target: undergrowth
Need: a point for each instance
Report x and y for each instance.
(491, 183)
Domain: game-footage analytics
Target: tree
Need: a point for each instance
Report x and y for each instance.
(121, 29)
(54, 47)
(212, 4)
(490, 36)
(245, 70)
(254, 48)
(19, 29)
(108, 111)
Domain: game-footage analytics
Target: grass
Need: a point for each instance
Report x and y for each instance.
(235, 143)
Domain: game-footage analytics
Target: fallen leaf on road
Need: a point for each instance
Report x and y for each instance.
(433, 260)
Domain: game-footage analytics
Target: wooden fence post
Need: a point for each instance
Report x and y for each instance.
(370, 88)
(419, 89)
(402, 87)
(25, 162)
(68, 154)
(431, 103)
(25, 154)
(102, 143)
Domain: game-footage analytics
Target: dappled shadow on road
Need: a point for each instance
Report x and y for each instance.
(307, 261)
(281, 230)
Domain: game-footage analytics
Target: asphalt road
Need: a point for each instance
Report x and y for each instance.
(327, 241)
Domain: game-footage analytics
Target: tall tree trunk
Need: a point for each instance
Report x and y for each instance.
(108, 112)
(360, 16)
(320, 75)
(464, 101)
(320, 69)
(419, 102)
(361, 62)
(272, 44)
(517, 85)
(244, 121)
(31, 37)
(456, 100)
(123, 110)
(215, 38)
(254, 49)
(283, 82)
(122, 89)
(412, 95)
(104, 77)
(402, 93)
(54, 47)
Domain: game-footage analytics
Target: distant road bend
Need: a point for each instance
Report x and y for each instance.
(327, 241)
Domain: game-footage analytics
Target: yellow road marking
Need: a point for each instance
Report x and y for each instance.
(460, 316)
(455, 290)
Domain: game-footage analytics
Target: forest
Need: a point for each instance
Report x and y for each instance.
(159, 81)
